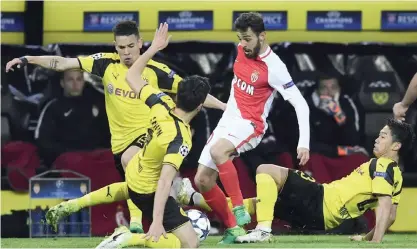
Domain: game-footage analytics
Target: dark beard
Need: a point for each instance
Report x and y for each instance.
(255, 52)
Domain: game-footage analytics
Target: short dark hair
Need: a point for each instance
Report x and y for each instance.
(126, 28)
(251, 20)
(403, 133)
(192, 91)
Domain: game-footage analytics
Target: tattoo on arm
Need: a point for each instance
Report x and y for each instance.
(53, 64)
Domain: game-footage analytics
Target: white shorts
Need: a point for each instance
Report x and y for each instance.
(240, 132)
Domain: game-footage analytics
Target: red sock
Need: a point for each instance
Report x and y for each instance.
(216, 199)
(230, 180)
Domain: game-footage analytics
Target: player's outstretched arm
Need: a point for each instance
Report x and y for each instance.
(212, 102)
(302, 112)
(410, 96)
(384, 218)
(56, 63)
(134, 74)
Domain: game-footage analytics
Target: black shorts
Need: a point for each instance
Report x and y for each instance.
(300, 202)
(139, 141)
(174, 216)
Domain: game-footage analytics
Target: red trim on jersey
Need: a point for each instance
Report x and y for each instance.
(268, 53)
(246, 140)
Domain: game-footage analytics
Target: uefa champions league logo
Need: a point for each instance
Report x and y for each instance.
(110, 88)
(59, 184)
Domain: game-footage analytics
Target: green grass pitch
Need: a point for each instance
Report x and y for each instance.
(280, 241)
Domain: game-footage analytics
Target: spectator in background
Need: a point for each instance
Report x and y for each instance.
(71, 122)
(334, 122)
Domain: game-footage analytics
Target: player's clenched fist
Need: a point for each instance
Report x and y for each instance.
(303, 155)
(20, 62)
(399, 111)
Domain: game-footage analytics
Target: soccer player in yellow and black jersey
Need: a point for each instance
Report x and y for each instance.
(298, 199)
(150, 173)
(127, 114)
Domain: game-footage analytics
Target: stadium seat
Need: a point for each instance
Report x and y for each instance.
(379, 91)
(5, 130)
(20, 160)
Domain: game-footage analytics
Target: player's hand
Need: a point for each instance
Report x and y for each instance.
(360, 149)
(14, 62)
(155, 231)
(161, 38)
(303, 155)
(357, 238)
(399, 111)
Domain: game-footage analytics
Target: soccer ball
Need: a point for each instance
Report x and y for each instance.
(200, 222)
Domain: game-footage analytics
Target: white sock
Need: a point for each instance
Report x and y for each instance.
(264, 228)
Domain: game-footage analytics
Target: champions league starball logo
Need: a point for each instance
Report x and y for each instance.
(110, 88)
(392, 18)
(94, 19)
(59, 184)
(184, 150)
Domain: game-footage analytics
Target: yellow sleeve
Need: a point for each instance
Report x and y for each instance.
(97, 63)
(382, 173)
(152, 97)
(177, 150)
(396, 197)
(167, 79)
(398, 187)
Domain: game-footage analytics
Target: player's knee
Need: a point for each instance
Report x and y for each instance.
(203, 182)
(128, 155)
(125, 160)
(191, 242)
(265, 168)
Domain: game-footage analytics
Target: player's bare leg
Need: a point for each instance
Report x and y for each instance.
(187, 236)
(135, 225)
(205, 180)
(128, 155)
(269, 180)
(221, 153)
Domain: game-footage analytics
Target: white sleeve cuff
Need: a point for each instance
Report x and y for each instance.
(303, 116)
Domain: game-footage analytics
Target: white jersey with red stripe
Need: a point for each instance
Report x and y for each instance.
(254, 85)
(244, 121)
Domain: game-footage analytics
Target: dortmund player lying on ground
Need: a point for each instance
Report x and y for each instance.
(298, 199)
(149, 174)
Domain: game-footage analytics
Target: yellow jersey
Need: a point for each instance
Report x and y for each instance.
(354, 194)
(127, 114)
(169, 142)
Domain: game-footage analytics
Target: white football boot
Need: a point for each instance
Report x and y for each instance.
(118, 239)
(254, 236)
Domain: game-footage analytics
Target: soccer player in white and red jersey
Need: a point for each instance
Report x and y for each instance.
(259, 73)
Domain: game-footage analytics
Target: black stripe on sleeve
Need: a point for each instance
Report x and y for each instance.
(165, 81)
(399, 192)
(372, 168)
(79, 63)
(152, 100)
(389, 176)
(100, 66)
(175, 144)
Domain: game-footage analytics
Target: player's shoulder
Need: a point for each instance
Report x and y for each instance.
(386, 163)
(108, 56)
(158, 65)
(273, 61)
